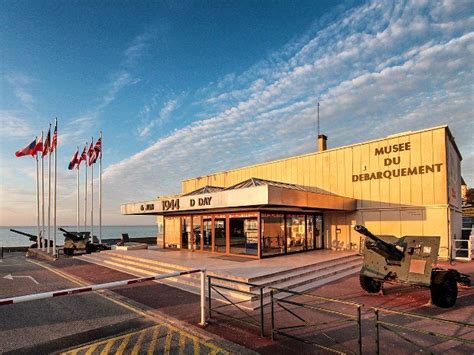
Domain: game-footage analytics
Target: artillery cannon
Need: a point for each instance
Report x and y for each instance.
(79, 241)
(32, 237)
(408, 260)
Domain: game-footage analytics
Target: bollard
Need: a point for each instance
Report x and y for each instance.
(377, 334)
(273, 314)
(203, 298)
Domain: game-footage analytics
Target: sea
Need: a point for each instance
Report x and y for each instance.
(11, 239)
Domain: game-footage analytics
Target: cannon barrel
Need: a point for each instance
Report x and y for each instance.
(387, 250)
(31, 236)
(73, 236)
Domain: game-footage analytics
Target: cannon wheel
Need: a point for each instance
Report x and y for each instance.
(444, 290)
(369, 284)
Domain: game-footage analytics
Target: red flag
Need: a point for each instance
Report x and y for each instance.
(90, 153)
(97, 151)
(47, 143)
(83, 156)
(74, 160)
(54, 143)
(38, 147)
(27, 150)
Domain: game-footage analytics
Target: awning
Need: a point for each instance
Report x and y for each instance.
(253, 192)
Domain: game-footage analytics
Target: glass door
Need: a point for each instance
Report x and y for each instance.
(219, 235)
(197, 232)
(207, 233)
(318, 232)
(185, 232)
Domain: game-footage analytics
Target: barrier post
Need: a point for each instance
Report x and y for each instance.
(203, 298)
(209, 299)
(272, 314)
(262, 328)
(359, 323)
(377, 340)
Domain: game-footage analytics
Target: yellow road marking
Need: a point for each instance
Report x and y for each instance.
(124, 344)
(196, 347)
(91, 350)
(195, 339)
(107, 347)
(112, 340)
(182, 343)
(151, 347)
(169, 337)
(138, 344)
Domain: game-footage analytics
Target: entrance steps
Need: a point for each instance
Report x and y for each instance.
(299, 278)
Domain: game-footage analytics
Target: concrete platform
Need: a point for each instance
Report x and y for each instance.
(298, 272)
(131, 246)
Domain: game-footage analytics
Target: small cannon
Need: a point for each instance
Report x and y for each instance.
(79, 241)
(32, 237)
(408, 260)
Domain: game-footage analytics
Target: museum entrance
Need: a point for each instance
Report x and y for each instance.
(252, 234)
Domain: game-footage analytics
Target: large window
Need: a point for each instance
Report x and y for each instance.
(295, 232)
(219, 235)
(243, 235)
(207, 233)
(273, 233)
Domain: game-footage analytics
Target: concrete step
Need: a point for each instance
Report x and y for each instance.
(296, 270)
(191, 287)
(272, 279)
(145, 267)
(190, 283)
(301, 279)
(255, 303)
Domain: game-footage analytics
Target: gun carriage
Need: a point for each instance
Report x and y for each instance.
(79, 241)
(409, 260)
(32, 237)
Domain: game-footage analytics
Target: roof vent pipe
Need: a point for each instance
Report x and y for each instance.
(322, 142)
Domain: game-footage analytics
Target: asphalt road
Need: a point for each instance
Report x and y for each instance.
(84, 323)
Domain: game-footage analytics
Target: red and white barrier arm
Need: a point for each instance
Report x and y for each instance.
(73, 291)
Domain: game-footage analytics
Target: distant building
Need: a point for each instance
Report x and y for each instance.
(404, 184)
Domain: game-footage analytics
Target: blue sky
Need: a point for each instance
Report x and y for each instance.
(187, 88)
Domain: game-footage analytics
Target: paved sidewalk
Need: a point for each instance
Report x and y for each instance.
(182, 308)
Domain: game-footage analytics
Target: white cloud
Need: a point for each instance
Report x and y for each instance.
(21, 87)
(162, 117)
(379, 69)
(14, 124)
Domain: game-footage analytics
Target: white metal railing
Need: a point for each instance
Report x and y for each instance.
(90, 288)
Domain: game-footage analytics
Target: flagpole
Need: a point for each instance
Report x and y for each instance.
(55, 183)
(92, 198)
(38, 240)
(78, 194)
(100, 188)
(43, 246)
(85, 197)
(49, 191)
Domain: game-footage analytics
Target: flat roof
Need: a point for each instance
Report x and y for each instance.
(401, 134)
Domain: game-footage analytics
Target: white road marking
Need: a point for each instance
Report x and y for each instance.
(10, 277)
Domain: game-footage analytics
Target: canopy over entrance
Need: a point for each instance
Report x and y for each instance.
(253, 192)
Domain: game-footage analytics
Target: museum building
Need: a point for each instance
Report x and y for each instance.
(403, 184)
